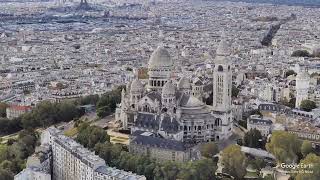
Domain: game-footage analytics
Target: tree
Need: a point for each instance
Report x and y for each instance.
(67, 111)
(108, 102)
(235, 91)
(9, 126)
(314, 161)
(170, 170)
(290, 72)
(208, 150)
(301, 53)
(90, 99)
(308, 105)
(257, 163)
(306, 148)
(6, 175)
(89, 136)
(284, 146)
(291, 103)
(253, 139)
(234, 161)
(3, 107)
(205, 169)
(201, 170)
(268, 177)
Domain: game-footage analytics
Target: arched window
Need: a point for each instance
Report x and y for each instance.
(146, 108)
(217, 122)
(220, 68)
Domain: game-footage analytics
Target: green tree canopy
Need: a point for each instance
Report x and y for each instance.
(89, 136)
(6, 175)
(290, 72)
(234, 161)
(284, 146)
(235, 91)
(108, 102)
(314, 161)
(308, 105)
(201, 170)
(3, 107)
(208, 150)
(253, 139)
(301, 53)
(306, 148)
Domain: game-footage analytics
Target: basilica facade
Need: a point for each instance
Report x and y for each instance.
(172, 108)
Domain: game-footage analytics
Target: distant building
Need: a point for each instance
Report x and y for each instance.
(262, 125)
(14, 111)
(302, 87)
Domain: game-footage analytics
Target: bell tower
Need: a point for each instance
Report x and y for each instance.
(222, 86)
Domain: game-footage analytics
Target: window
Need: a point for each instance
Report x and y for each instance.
(220, 68)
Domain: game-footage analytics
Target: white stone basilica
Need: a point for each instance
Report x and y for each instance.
(173, 110)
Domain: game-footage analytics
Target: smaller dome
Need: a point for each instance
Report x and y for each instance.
(184, 83)
(136, 85)
(168, 89)
(193, 103)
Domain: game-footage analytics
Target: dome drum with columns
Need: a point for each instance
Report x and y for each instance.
(159, 69)
(174, 109)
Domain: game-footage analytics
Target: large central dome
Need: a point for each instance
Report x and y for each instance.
(160, 58)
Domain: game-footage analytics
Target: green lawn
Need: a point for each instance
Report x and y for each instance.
(71, 132)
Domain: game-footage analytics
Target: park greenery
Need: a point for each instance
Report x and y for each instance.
(290, 103)
(310, 159)
(290, 72)
(209, 150)
(253, 139)
(43, 115)
(3, 107)
(116, 155)
(14, 153)
(301, 53)
(234, 161)
(308, 105)
(107, 103)
(235, 91)
(286, 147)
(48, 113)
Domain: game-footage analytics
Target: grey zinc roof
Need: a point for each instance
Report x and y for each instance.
(159, 143)
(147, 120)
(198, 83)
(184, 99)
(260, 121)
(118, 174)
(208, 88)
(154, 96)
(170, 126)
